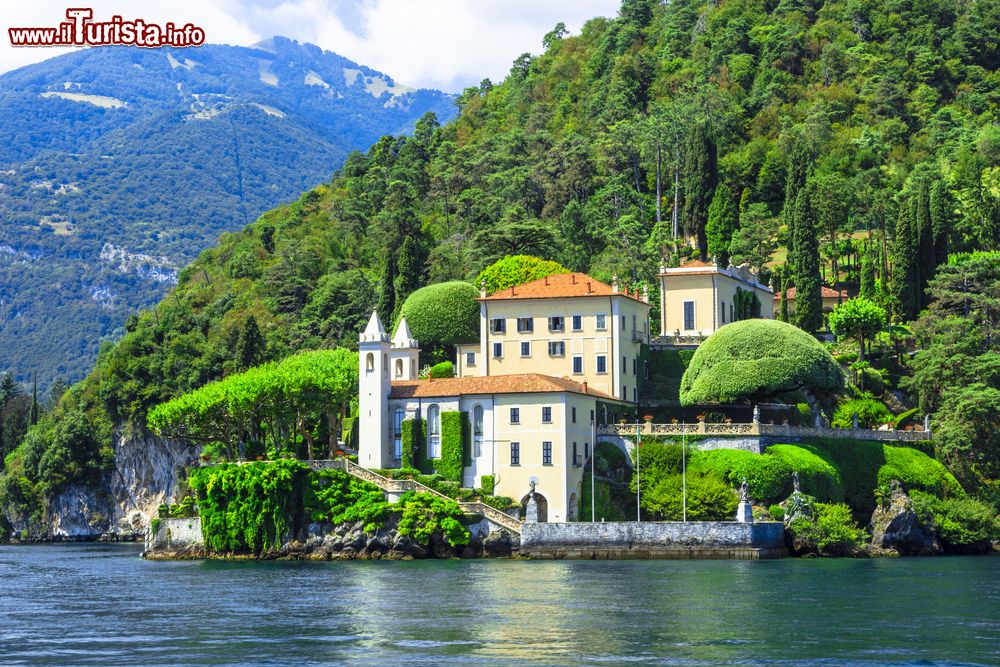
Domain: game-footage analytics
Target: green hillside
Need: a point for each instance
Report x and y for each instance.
(862, 105)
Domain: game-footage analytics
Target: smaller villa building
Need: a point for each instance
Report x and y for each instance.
(699, 297)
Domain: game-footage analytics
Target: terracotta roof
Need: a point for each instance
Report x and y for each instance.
(527, 383)
(562, 285)
(825, 293)
(698, 264)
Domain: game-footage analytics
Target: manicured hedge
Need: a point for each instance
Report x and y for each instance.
(454, 436)
(414, 445)
(817, 476)
(769, 475)
(445, 369)
(443, 314)
(517, 270)
(756, 359)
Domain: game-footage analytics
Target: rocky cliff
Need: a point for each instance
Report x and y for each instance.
(145, 473)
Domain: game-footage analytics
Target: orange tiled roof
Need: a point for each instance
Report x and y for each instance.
(527, 383)
(562, 285)
(825, 293)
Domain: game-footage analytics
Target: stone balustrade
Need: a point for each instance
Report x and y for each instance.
(759, 429)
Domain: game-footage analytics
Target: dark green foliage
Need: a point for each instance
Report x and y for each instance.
(859, 319)
(871, 413)
(833, 533)
(443, 315)
(700, 179)
(423, 514)
(708, 498)
(666, 368)
(454, 432)
(964, 525)
(756, 359)
(414, 444)
(916, 470)
(905, 270)
(338, 497)
(723, 221)
(805, 265)
(250, 346)
(769, 475)
(777, 512)
(249, 508)
(487, 482)
(516, 270)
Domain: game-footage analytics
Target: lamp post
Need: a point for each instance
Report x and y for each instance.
(638, 480)
(593, 469)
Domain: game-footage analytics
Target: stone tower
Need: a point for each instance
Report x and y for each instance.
(373, 395)
(405, 353)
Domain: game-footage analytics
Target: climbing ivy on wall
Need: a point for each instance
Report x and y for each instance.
(455, 431)
(249, 508)
(746, 305)
(414, 445)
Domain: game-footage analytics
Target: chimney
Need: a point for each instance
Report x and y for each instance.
(546, 281)
(588, 287)
(512, 290)
(572, 278)
(585, 387)
(482, 288)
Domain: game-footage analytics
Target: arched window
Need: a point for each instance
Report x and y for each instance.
(399, 368)
(604, 415)
(477, 430)
(397, 433)
(413, 368)
(434, 432)
(370, 362)
(385, 364)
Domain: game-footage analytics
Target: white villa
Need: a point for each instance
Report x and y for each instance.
(556, 358)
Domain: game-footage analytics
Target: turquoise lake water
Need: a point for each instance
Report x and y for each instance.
(102, 605)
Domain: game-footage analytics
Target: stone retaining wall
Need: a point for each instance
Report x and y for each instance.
(630, 539)
(174, 538)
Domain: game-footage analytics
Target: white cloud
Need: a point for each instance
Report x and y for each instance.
(446, 44)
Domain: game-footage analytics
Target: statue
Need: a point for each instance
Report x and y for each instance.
(756, 414)
(531, 485)
(927, 423)
(744, 511)
(795, 481)
(744, 491)
(854, 420)
(531, 507)
(818, 420)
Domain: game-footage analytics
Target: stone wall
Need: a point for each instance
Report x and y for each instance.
(629, 539)
(174, 538)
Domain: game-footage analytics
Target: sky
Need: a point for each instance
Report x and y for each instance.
(443, 44)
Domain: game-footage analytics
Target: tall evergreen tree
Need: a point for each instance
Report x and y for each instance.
(250, 345)
(904, 283)
(9, 388)
(795, 180)
(407, 278)
(723, 221)
(700, 178)
(808, 294)
(940, 209)
(867, 288)
(387, 290)
(925, 242)
(33, 415)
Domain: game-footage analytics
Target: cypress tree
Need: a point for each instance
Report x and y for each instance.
(700, 179)
(723, 221)
(794, 181)
(783, 312)
(940, 210)
(925, 242)
(867, 287)
(407, 278)
(34, 399)
(250, 345)
(904, 266)
(387, 290)
(808, 295)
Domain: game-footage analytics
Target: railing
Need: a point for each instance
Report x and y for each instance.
(677, 339)
(404, 485)
(758, 429)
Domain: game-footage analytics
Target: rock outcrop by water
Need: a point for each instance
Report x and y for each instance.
(897, 530)
(145, 472)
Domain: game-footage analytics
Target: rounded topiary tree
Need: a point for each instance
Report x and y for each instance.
(517, 270)
(756, 359)
(443, 315)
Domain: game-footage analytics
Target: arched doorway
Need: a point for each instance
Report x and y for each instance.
(541, 502)
(571, 511)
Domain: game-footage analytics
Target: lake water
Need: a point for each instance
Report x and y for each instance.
(102, 605)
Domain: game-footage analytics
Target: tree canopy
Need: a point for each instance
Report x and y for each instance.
(516, 270)
(757, 359)
(444, 314)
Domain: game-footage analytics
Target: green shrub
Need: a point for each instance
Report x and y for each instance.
(338, 497)
(708, 498)
(414, 444)
(777, 512)
(516, 270)
(817, 476)
(962, 524)
(443, 314)
(803, 414)
(833, 533)
(916, 470)
(608, 457)
(666, 368)
(767, 477)
(757, 359)
(445, 369)
(487, 482)
(453, 445)
(423, 514)
(656, 460)
(871, 413)
(248, 508)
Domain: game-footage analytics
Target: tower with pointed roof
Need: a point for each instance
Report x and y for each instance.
(374, 385)
(405, 353)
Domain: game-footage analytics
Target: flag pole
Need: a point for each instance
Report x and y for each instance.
(684, 492)
(593, 468)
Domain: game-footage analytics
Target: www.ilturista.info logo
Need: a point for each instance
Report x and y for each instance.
(80, 30)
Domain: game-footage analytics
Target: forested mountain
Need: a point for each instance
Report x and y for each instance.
(773, 132)
(118, 165)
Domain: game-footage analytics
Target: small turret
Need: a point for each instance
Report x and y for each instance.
(405, 353)
(373, 400)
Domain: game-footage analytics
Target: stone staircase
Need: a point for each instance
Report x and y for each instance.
(401, 486)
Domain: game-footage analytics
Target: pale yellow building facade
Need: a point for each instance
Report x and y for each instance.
(698, 298)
